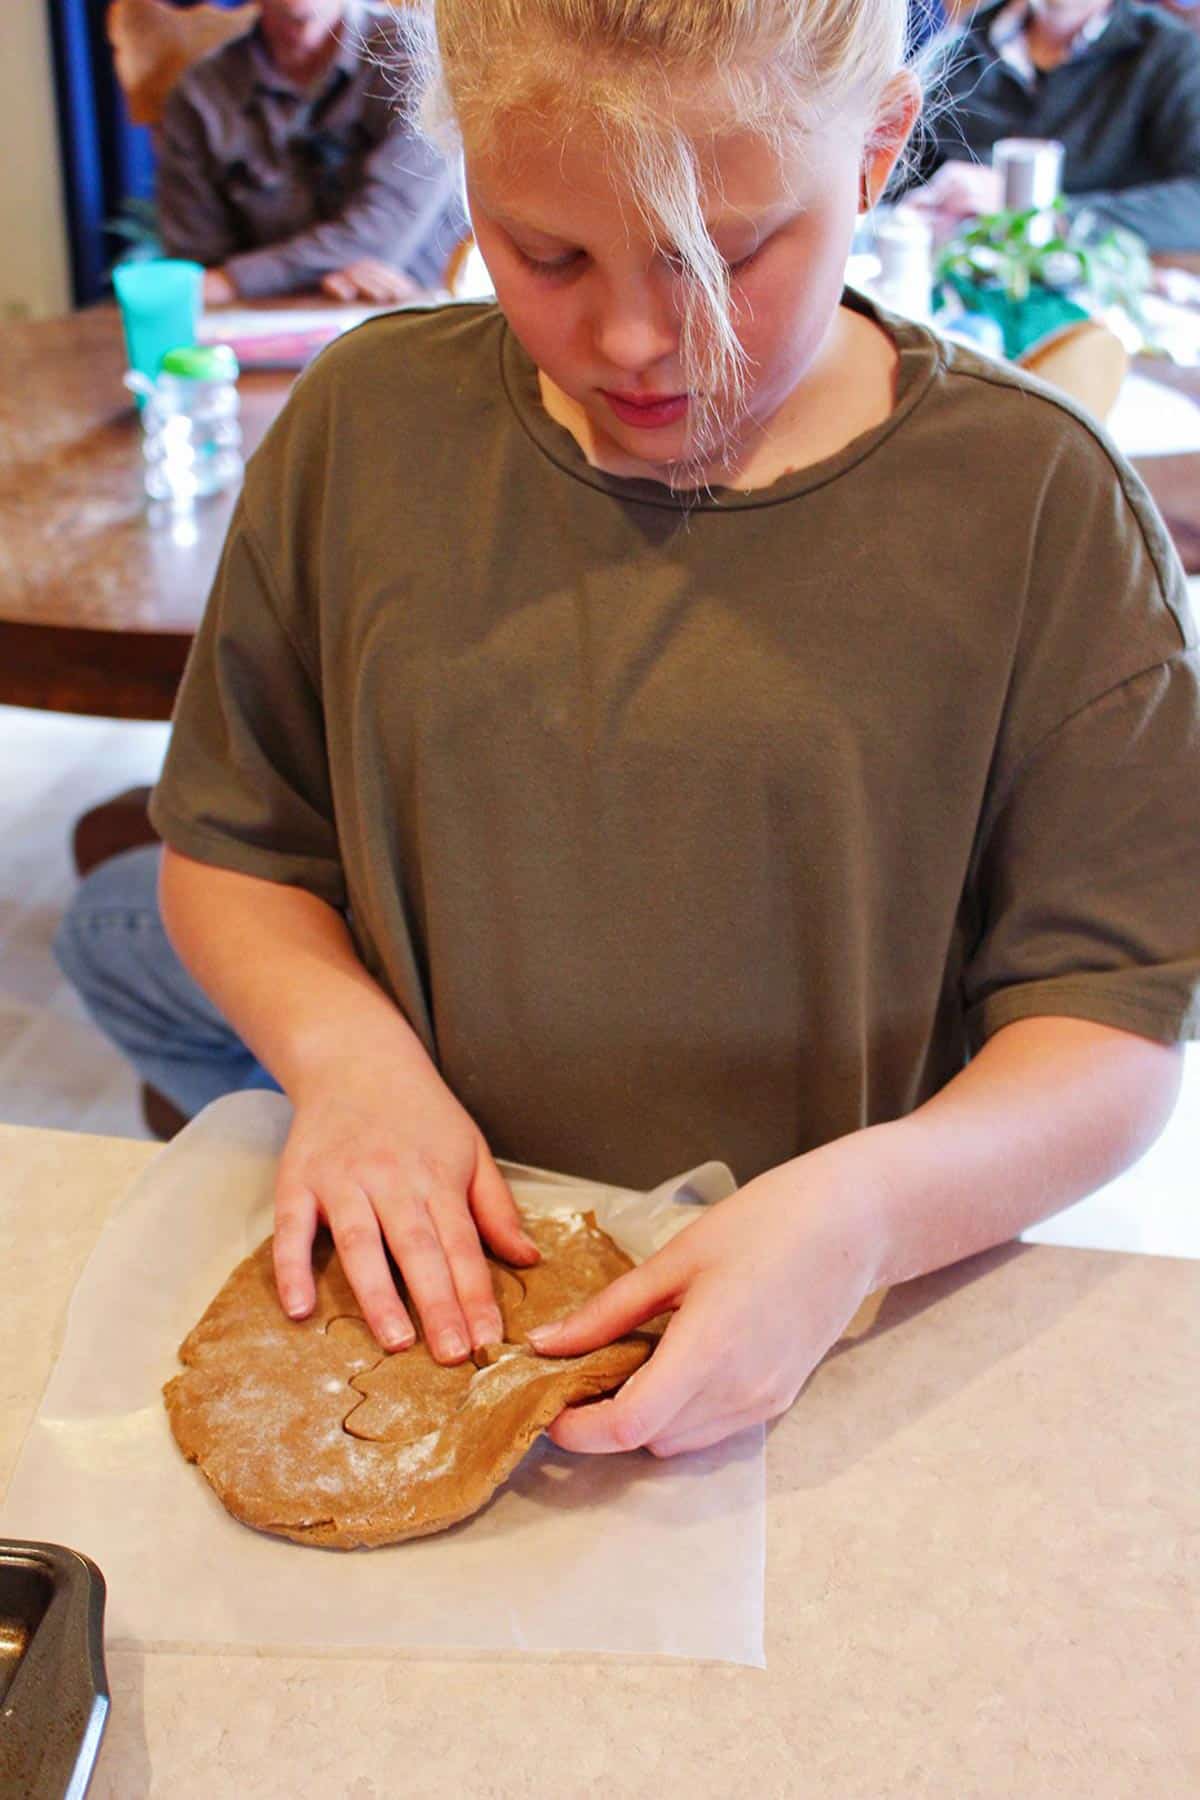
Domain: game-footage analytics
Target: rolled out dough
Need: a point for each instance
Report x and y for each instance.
(309, 1430)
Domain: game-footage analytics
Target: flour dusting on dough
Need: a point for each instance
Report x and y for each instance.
(309, 1429)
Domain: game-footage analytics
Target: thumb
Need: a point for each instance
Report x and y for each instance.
(622, 1306)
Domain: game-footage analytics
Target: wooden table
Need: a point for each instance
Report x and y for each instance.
(100, 593)
(982, 1578)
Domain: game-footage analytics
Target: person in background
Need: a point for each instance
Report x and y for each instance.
(284, 164)
(1118, 83)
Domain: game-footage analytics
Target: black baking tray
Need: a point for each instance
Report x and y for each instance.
(53, 1684)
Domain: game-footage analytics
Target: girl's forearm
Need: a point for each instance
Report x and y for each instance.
(1049, 1110)
(282, 967)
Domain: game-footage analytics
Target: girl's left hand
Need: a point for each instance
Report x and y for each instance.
(760, 1287)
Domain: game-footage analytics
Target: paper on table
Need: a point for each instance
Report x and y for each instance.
(617, 1554)
(245, 322)
(1151, 419)
(284, 339)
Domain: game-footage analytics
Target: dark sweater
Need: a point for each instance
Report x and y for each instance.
(1127, 108)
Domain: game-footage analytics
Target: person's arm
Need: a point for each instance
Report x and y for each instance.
(193, 218)
(766, 1282)
(256, 898)
(399, 201)
(379, 1147)
(282, 969)
(1048, 1111)
(1166, 214)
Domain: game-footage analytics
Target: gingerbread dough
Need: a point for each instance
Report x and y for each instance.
(311, 1431)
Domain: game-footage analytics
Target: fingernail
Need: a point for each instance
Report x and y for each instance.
(293, 1304)
(452, 1343)
(528, 1244)
(491, 1329)
(541, 1334)
(396, 1337)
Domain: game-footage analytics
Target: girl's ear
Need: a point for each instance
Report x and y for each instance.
(898, 112)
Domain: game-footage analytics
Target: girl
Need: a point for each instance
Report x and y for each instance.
(681, 711)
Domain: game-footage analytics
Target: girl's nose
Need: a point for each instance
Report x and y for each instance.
(637, 325)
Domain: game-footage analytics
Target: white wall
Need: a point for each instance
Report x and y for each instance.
(34, 270)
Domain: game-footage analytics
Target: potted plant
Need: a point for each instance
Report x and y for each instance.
(1034, 275)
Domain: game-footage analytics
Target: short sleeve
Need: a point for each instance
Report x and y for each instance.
(1087, 884)
(246, 782)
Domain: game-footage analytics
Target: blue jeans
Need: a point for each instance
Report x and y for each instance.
(111, 945)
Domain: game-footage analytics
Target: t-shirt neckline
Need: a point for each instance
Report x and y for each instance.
(920, 355)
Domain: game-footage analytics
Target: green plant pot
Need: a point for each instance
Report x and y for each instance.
(1023, 322)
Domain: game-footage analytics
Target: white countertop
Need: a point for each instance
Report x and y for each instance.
(978, 1579)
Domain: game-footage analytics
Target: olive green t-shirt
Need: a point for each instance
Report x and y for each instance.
(707, 830)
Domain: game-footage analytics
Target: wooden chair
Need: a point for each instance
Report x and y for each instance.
(1085, 359)
(154, 42)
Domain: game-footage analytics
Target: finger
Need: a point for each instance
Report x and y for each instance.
(291, 1249)
(339, 285)
(418, 1249)
(495, 1213)
(369, 279)
(469, 1271)
(623, 1305)
(360, 1247)
(652, 1399)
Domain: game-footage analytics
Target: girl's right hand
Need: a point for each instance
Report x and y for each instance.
(388, 1157)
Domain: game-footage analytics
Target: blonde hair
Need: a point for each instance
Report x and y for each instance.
(778, 67)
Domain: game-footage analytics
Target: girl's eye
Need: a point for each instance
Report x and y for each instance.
(556, 265)
(734, 263)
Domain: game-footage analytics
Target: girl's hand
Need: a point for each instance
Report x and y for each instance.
(386, 1156)
(761, 1287)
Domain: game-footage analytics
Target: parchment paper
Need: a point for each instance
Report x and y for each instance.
(621, 1554)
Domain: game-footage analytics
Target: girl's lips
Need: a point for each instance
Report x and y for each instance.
(649, 414)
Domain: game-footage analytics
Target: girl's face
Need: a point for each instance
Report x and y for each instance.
(598, 306)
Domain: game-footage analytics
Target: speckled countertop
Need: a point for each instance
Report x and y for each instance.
(982, 1576)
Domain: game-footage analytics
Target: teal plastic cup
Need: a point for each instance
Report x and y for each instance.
(159, 300)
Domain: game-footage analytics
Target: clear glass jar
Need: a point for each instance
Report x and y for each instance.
(191, 434)
(904, 246)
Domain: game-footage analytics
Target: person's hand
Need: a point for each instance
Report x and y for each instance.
(386, 1156)
(960, 190)
(218, 288)
(371, 280)
(760, 1287)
